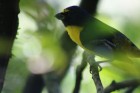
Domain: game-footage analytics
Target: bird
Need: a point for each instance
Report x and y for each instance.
(95, 36)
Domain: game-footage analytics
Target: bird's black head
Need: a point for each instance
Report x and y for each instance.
(74, 16)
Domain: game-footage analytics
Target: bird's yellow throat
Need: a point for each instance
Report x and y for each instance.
(74, 33)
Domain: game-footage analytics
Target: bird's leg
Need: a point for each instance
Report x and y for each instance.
(79, 71)
(90, 58)
(97, 65)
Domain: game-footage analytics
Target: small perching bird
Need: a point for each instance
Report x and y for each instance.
(95, 36)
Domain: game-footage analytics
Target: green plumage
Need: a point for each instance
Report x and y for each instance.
(97, 36)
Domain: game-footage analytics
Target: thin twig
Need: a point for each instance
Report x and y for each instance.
(131, 89)
(96, 78)
(124, 84)
(79, 71)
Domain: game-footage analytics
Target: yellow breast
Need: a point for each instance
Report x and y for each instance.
(74, 33)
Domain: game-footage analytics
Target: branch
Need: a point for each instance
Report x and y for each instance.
(34, 84)
(8, 28)
(131, 89)
(124, 84)
(79, 71)
(90, 58)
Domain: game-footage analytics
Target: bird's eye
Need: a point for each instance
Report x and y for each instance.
(65, 10)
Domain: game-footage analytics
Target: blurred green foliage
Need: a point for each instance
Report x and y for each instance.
(37, 47)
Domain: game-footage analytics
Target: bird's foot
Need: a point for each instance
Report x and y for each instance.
(95, 67)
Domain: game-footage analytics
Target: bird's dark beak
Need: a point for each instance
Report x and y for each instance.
(60, 16)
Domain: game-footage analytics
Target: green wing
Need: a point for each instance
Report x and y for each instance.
(104, 40)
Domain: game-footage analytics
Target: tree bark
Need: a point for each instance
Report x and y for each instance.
(9, 10)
